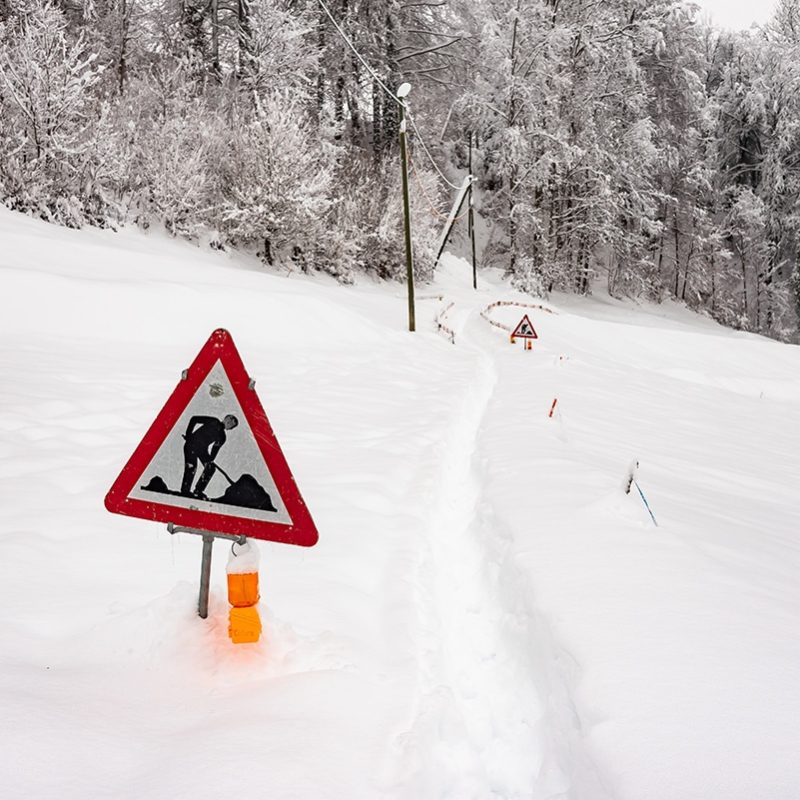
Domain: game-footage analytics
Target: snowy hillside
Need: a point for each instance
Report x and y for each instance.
(486, 615)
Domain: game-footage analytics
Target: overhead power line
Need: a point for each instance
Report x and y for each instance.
(430, 157)
(388, 92)
(358, 55)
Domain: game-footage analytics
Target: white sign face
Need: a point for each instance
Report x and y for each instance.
(210, 460)
(525, 329)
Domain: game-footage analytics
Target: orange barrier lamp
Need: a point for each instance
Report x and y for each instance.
(244, 623)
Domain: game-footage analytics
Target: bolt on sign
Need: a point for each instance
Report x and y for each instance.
(210, 460)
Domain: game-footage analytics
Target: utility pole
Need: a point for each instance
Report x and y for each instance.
(471, 217)
(402, 93)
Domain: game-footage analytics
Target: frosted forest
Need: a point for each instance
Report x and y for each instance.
(623, 146)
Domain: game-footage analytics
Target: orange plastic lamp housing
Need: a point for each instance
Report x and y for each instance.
(243, 589)
(244, 625)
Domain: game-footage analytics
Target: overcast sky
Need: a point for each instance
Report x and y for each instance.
(737, 13)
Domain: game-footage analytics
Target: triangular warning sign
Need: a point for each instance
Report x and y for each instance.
(525, 330)
(211, 461)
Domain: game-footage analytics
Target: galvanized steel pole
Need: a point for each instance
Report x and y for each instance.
(205, 576)
(205, 566)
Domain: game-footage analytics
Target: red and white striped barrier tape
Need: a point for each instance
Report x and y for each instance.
(441, 327)
(498, 303)
(449, 333)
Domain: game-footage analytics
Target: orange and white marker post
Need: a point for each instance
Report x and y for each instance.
(244, 623)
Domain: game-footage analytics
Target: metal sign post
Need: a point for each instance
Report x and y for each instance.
(205, 576)
(205, 565)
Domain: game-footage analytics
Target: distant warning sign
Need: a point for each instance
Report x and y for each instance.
(524, 330)
(211, 461)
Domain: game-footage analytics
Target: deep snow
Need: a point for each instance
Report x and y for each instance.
(486, 615)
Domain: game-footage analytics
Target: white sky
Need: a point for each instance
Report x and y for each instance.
(738, 14)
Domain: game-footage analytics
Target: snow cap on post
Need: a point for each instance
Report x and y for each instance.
(630, 477)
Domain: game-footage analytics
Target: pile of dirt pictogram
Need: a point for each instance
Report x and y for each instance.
(246, 492)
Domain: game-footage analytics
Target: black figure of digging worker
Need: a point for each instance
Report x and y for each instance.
(204, 437)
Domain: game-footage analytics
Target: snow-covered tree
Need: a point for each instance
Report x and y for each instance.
(275, 181)
(624, 139)
(48, 113)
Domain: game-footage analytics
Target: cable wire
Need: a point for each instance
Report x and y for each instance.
(388, 91)
(358, 56)
(427, 153)
(434, 211)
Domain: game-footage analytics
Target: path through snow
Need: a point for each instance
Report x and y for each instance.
(486, 614)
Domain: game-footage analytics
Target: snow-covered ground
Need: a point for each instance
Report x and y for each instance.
(486, 615)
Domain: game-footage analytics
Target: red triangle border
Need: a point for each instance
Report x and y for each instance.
(219, 347)
(518, 335)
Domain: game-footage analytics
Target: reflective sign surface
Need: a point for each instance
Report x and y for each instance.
(211, 461)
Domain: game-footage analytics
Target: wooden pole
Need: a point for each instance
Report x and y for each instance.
(472, 218)
(402, 92)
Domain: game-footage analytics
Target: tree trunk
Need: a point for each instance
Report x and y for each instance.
(745, 309)
(338, 104)
(338, 109)
(584, 281)
(320, 99)
(243, 27)
(377, 119)
(214, 9)
(192, 25)
(661, 245)
(677, 250)
(122, 62)
(512, 223)
(390, 121)
(688, 263)
(713, 282)
(353, 100)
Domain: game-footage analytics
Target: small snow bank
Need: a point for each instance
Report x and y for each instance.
(97, 284)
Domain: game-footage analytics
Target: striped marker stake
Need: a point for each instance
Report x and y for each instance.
(552, 408)
(646, 504)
